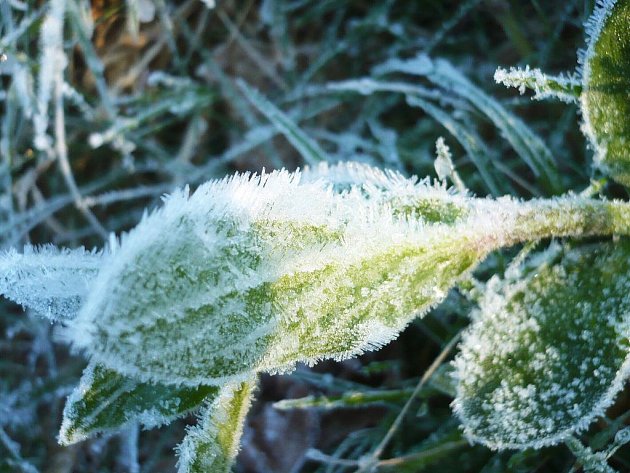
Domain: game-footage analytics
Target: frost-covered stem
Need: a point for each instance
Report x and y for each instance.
(592, 462)
(570, 216)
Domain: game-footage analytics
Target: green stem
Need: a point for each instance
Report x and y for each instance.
(569, 216)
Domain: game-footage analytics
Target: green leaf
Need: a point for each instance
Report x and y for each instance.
(256, 274)
(212, 445)
(606, 81)
(48, 280)
(105, 401)
(547, 354)
(259, 273)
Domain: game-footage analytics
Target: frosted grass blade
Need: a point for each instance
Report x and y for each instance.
(527, 144)
(308, 148)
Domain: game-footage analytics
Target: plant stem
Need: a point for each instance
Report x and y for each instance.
(570, 216)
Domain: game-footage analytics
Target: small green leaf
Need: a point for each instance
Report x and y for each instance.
(105, 400)
(212, 445)
(547, 354)
(606, 82)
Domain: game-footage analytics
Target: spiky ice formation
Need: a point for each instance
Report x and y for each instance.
(256, 273)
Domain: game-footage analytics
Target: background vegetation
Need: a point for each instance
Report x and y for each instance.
(141, 96)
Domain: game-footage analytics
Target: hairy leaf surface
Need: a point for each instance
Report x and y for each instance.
(256, 273)
(105, 400)
(547, 354)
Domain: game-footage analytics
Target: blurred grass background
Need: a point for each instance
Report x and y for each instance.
(106, 105)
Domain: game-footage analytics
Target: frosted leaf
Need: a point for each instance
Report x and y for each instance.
(105, 401)
(547, 354)
(212, 445)
(606, 82)
(257, 273)
(404, 196)
(566, 89)
(50, 281)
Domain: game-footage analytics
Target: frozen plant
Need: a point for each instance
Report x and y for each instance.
(257, 272)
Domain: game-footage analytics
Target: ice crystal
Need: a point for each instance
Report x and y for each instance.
(546, 354)
(258, 272)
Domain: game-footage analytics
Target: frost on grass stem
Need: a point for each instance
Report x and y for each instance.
(567, 89)
(255, 273)
(52, 59)
(213, 443)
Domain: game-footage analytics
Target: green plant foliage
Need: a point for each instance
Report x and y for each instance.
(108, 105)
(105, 401)
(606, 82)
(547, 352)
(49, 281)
(212, 445)
(255, 274)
